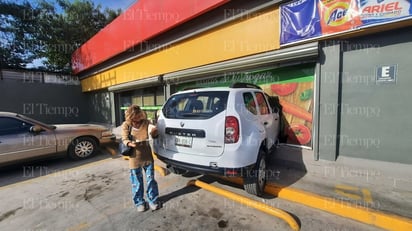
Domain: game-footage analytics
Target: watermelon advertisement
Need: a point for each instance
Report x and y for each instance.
(307, 19)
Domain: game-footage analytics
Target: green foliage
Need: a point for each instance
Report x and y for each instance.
(16, 34)
(49, 30)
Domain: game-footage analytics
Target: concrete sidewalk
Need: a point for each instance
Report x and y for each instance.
(365, 184)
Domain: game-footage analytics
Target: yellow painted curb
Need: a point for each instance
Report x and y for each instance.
(154, 156)
(249, 202)
(162, 171)
(341, 208)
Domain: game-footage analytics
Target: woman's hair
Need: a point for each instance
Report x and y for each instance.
(132, 111)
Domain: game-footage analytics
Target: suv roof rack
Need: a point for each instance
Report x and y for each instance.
(191, 88)
(244, 85)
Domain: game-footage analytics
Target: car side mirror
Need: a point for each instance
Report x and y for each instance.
(36, 129)
(275, 110)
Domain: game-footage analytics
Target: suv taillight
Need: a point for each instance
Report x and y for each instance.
(231, 130)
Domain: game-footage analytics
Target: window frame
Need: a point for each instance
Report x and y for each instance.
(23, 128)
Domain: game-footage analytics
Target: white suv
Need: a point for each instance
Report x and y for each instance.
(228, 131)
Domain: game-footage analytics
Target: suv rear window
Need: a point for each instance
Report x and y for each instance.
(195, 105)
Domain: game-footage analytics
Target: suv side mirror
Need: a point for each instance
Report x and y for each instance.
(36, 129)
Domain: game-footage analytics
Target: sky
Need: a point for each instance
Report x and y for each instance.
(115, 4)
(112, 4)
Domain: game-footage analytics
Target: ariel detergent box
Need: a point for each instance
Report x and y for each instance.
(377, 11)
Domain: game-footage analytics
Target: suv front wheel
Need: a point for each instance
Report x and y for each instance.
(255, 180)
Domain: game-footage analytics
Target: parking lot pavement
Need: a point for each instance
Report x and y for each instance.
(95, 195)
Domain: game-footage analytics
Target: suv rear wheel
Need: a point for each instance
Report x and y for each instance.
(255, 180)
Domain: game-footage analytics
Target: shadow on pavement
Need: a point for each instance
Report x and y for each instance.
(30, 170)
(280, 172)
(287, 166)
(185, 189)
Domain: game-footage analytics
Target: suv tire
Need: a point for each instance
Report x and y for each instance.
(255, 180)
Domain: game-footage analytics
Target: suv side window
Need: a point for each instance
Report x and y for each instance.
(249, 102)
(262, 104)
(10, 126)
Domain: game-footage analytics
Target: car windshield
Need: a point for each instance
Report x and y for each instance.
(196, 105)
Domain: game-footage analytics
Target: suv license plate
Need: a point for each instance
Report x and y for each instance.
(184, 141)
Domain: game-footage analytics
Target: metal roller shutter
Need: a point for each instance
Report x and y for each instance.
(283, 55)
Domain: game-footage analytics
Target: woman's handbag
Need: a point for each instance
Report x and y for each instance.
(123, 148)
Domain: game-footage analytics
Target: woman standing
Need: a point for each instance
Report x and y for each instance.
(141, 160)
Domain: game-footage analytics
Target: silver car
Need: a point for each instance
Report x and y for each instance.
(25, 139)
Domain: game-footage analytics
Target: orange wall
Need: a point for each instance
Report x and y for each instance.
(253, 34)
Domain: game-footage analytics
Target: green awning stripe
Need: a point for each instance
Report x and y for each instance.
(295, 74)
(146, 108)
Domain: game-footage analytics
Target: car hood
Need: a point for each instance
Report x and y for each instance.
(80, 127)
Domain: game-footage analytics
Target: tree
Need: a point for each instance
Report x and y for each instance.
(50, 30)
(79, 21)
(18, 46)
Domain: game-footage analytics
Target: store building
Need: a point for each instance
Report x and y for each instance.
(340, 69)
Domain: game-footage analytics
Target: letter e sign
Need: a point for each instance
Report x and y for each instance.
(386, 74)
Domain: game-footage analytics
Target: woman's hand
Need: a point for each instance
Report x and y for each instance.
(131, 144)
(153, 133)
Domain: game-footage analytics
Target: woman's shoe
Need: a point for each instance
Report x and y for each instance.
(141, 208)
(154, 206)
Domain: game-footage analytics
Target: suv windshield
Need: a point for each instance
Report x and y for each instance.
(195, 105)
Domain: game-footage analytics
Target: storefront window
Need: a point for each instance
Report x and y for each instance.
(149, 99)
(137, 99)
(160, 98)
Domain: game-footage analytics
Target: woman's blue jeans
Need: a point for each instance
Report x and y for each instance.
(136, 178)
